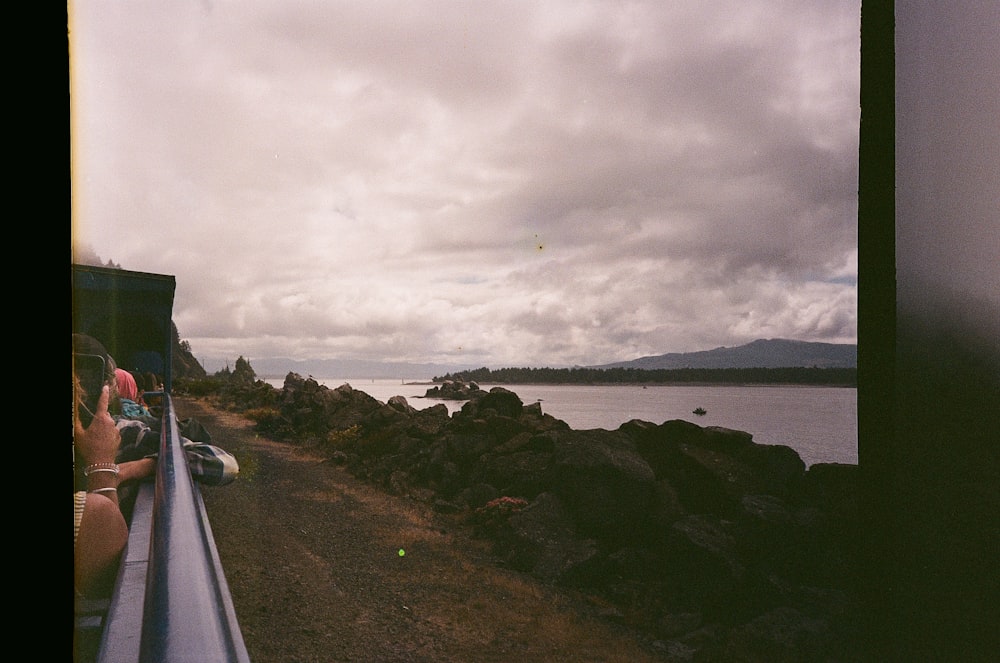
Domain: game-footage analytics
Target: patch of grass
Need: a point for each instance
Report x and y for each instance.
(262, 414)
(346, 437)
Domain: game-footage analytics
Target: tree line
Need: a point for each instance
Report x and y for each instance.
(846, 377)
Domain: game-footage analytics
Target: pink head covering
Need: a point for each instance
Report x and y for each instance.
(126, 384)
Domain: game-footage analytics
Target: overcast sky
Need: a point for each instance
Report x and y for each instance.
(482, 183)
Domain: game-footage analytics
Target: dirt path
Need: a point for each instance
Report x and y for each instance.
(323, 567)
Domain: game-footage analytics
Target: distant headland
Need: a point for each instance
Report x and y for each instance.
(759, 354)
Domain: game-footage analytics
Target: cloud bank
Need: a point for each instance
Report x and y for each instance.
(491, 184)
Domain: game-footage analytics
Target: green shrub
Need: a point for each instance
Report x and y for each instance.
(269, 421)
(198, 387)
(262, 414)
(344, 438)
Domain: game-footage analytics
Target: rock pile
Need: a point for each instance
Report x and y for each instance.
(455, 390)
(716, 545)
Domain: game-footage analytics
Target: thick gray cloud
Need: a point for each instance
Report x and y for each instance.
(494, 183)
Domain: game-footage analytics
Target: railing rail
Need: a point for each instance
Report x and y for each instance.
(171, 602)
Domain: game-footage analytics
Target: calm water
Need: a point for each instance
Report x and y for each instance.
(820, 423)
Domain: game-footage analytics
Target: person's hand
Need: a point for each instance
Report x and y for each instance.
(98, 443)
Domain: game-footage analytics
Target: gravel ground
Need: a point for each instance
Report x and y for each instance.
(323, 567)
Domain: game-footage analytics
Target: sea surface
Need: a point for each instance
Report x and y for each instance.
(820, 423)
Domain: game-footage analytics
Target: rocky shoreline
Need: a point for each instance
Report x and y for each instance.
(718, 547)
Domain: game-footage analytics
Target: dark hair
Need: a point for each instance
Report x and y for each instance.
(88, 345)
(140, 382)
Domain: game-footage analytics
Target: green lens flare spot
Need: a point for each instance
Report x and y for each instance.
(401, 552)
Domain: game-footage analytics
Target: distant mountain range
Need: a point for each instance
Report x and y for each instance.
(769, 353)
(762, 353)
(349, 368)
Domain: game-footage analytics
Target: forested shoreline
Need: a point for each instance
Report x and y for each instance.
(794, 375)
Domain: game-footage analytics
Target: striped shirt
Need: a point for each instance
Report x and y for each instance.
(79, 502)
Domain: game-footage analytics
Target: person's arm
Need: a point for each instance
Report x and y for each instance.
(134, 470)
(209, 464)
(103, 479)
(102, 537)
(103, 532)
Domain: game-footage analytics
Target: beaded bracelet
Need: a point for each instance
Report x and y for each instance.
(103, 490)
(100, 467)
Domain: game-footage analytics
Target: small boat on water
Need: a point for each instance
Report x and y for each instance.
(700, 411)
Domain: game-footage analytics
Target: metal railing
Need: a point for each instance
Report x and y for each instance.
(171, 602)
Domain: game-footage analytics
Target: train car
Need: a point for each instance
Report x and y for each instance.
(170, 602)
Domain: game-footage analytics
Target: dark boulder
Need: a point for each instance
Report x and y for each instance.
(543, 542)
(523, 473)
(502, 402)
(703, 561)
(782, 635)
(711, 468)
(429, 423)
(603, 481)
